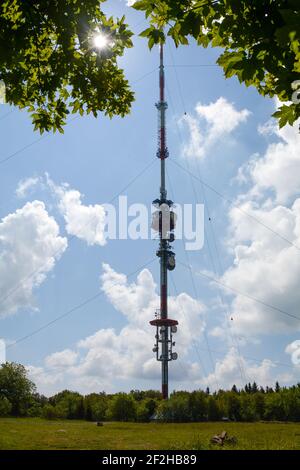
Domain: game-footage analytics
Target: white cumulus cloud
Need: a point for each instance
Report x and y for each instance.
(30, 245)
(210, 125)
(86, 222)
(61, 359)
(279, 168)
(266, 263)
(234, 369)
(25, 185)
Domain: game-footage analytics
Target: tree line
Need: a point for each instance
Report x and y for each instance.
(19, 397)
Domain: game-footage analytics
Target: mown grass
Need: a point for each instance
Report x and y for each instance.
(34, 433)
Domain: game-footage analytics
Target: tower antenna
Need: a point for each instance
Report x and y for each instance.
(163, 222)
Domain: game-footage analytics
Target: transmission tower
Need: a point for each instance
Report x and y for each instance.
(163, 222)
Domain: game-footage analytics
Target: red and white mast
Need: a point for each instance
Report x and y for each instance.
(164, 223)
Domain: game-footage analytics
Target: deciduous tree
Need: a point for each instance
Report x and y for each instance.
(16, 387)
(260, 41)
(49, 65)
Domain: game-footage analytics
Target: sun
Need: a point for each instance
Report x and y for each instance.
(100, 41)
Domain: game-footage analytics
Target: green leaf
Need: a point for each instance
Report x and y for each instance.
(285, 115)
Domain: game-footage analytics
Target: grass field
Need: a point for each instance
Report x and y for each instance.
(34, 433)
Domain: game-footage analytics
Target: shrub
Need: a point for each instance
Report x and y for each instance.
(122, 408)
(145, 410)
(54, 412)
(5, 406)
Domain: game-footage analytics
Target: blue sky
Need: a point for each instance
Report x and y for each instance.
(48, 265)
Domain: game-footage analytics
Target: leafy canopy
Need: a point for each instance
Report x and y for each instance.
(15, 386)
(48, 63)
(260, 40)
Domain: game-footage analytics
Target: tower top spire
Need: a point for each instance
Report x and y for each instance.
(162, 106)
(162, 73)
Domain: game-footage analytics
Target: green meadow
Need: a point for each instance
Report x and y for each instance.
(36, 433)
